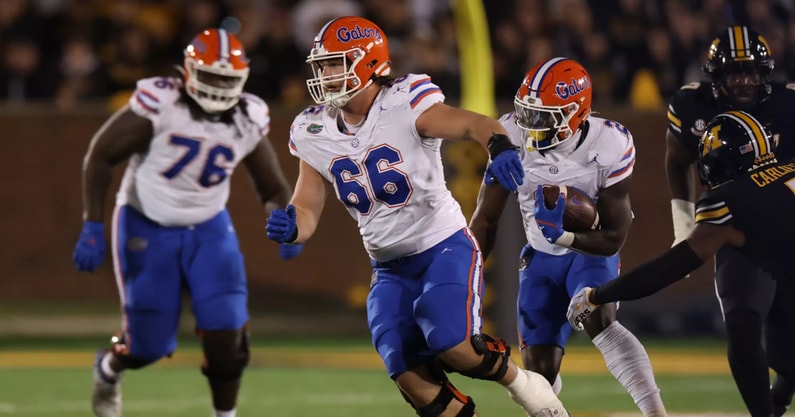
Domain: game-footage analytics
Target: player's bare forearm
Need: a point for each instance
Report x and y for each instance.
(650, 277)
(447, 122)
(266, 174)
(486, 219)
(615, 219)
(309, 199)
(97, 176)
(678, 168)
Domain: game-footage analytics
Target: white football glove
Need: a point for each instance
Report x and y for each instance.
(683, 216)
(580, 307)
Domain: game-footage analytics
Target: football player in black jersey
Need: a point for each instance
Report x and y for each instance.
(748, 206)
(739, 64)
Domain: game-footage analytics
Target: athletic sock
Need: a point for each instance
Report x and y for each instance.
(629, 363)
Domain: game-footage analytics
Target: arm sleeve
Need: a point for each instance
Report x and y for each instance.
(650, 277)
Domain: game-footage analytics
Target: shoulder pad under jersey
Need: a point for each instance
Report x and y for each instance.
(151, 95)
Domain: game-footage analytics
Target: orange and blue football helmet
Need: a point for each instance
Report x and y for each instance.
(739, 64)
(733, 143)
(553, 102)
(215, 70)
(363, 49)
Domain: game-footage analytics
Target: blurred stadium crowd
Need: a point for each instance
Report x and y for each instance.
(638, 51)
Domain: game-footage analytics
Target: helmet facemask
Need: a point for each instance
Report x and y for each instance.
(335, 89)
(217, 87)
(739, 64)
(543, 126)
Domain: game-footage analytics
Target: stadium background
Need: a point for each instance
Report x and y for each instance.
(65, 65)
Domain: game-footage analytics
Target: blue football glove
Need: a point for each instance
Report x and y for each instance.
(90, 249)
(289, 251)
(506, 169)
(281, 225)
(550, 221)
(505, 166)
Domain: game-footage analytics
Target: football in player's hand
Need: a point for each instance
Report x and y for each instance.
(581, 214)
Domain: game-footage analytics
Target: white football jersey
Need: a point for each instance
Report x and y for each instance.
(388, 177)
(183, 178)
(605, 157)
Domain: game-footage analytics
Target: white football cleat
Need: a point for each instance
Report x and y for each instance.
(106, 395)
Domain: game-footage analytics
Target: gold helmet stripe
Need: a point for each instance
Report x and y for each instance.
(739, 43)
(754, 129)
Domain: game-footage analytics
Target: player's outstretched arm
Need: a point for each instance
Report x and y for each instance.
(679, 172)
(122, 135)
(448, 122)
(486, 219)
(675, 264)
(451, 123)
(672, 266)
(615, 219)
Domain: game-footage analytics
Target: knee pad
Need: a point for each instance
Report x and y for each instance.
(445, 397)
(495, 352)
(225, 357)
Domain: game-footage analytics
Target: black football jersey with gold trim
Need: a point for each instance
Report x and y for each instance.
(693, 106)
(762, 206)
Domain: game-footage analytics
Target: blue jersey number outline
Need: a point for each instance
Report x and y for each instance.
(621, 128)
(358, 185)
(212, 173)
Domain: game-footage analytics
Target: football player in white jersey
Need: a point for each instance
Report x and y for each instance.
(562, 144)
(182, 139)
(376, 139)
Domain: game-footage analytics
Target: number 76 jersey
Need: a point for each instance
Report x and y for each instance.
(182, 179)
(389, 178)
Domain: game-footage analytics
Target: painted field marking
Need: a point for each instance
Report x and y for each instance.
(576, 362)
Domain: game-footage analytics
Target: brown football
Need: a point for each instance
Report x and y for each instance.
(581, 214)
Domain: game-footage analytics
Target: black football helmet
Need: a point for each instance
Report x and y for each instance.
(733, 143)
(739, 64)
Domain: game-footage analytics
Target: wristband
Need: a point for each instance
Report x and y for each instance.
(499, 143)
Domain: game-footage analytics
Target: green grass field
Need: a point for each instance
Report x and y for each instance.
(337, 378)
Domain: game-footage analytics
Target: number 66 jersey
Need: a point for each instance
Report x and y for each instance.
(389, 178)
(182, 178)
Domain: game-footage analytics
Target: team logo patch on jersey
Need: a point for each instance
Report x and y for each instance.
(553, 170)
(355, 143)
(698, 127)
(137, 244)
(314, 128)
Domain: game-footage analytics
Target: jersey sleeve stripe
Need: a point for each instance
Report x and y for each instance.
(419, 83)
(292, 145)
(424, 93)
(623, 170)
(674, 120)
(141, 99)
(149, 95)
(717, 215)
(629, 153)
